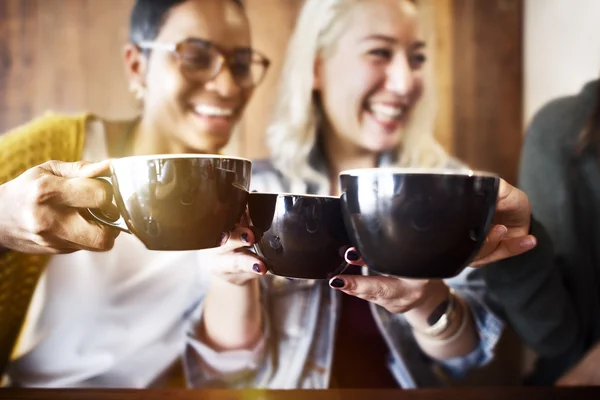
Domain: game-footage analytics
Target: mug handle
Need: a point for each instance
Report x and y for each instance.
(256, 250)
(340, 270)
(105, 219)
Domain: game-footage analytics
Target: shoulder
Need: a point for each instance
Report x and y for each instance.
(558, 123)
(51, 122)
(50, 131)
(49, 137)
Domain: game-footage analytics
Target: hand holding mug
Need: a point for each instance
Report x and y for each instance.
(509, 236)
(41, 209)
(233, 261)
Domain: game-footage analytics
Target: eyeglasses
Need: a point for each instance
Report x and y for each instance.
(201, 61)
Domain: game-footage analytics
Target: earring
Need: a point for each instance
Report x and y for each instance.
(137, 89)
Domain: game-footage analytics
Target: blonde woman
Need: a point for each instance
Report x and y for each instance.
(353, 94)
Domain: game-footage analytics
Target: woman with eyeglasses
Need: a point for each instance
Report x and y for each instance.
(114, 318)
(353, 94)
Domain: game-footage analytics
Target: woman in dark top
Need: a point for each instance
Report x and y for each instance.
(551, 295)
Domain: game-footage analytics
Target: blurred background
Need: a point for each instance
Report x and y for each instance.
(496, 62)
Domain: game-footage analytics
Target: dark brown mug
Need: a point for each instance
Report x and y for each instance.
(299, 236)
(178, 202)
(418, 223)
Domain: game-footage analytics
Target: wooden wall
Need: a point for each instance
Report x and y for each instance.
(66, 55)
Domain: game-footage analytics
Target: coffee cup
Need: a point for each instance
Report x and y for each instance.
(177, 202)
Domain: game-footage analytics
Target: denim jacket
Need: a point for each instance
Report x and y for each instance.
(301, 316)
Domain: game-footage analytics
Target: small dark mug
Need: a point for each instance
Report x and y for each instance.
(300, 236)
(418, 223)
(178, 202)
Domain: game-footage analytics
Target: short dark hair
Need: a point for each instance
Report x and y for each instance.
(148, 16)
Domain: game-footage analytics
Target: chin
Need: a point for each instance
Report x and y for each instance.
(381, 146)
(209, 142)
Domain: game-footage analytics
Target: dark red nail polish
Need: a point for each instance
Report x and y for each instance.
(337, 283)
(256, 268)
(244, 237)
(353, 256)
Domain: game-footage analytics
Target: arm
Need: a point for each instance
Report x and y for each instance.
(416, 300)
(529, 288)
(586, 372)
(22, 149)
(39, 198)
(226, 341)
(459, 338)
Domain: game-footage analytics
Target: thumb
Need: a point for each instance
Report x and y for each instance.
(80, 169)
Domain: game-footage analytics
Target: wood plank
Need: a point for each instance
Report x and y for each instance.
(443, 50)
(487, 71)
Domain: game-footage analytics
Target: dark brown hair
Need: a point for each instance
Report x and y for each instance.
(148, 16)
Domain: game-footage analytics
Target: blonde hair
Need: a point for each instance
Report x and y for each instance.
(293, 132)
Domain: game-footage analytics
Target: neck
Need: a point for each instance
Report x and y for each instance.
(147, 138)
(343, 155)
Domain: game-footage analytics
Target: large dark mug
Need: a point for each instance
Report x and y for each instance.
(299, 236)
(178, 202)
(417, 223)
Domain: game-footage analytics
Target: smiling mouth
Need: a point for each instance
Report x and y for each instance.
(386, 113)
(205, 110)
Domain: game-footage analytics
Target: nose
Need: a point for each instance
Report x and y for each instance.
(400, 76)
(224, 84)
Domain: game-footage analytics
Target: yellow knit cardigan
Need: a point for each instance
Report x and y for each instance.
(51, 137)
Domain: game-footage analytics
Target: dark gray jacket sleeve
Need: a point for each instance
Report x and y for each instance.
(529, 288)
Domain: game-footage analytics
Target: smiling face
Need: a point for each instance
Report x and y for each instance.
(371, 78)
(196, 114)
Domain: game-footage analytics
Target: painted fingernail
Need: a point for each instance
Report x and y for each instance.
(244, 237)
(353, 256)
(337, 283)
(500, 230)
(527, 243)
(256, 268)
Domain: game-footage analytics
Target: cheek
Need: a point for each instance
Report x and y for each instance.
(350, 88)
(167, 89)
(418, 87)
(245, 96)
(364, 83)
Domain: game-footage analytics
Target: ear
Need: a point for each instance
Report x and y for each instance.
(317, 72)
(136, 65)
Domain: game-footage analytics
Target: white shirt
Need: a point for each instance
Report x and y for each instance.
(113, 318)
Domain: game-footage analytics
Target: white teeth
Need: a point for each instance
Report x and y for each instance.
(213, 111)
(386, 113)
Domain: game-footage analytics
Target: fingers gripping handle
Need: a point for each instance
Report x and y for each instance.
(107, 218)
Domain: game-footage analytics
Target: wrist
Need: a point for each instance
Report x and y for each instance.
(457, 325)
(233, 281)
(420, 317)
